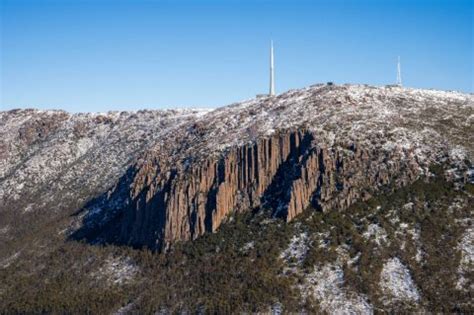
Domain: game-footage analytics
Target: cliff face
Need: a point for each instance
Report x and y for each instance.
(286, 172)
(154, 178)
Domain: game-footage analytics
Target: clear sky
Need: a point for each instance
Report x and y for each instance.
(118, 55)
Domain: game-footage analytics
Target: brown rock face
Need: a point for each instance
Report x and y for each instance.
(39, 129)
(287, 172)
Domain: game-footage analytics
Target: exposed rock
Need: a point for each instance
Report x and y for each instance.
(288, 171)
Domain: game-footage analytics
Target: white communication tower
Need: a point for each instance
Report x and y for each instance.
(399, 73)
(272, 74)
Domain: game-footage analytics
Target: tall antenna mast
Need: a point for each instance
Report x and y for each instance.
(272, 74)
(399, 73)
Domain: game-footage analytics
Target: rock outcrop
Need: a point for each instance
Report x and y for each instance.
(287, 172)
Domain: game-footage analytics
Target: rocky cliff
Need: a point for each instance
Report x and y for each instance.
(324, 146)
(53, 162)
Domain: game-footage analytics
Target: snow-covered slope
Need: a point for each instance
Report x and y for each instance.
(56, 148)
(403, 117)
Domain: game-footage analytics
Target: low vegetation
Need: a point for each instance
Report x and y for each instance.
(239, 268)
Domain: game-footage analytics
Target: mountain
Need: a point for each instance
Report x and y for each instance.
(306, 194)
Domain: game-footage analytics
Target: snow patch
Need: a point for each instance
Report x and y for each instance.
(117, 270)
(276, 309)
(5, 229)
(458, 153)
(377, 233)
(9, 260)
(127, 309)
(325, 284)
(466, 264)
(415, 235)
(247, 246)
(297, 249)
(323, 241)
(396, 283)
(393, 217)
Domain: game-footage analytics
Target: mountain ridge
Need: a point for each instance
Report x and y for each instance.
(322, 199)
(235, 151)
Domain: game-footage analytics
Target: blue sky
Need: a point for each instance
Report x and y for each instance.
(118, 55)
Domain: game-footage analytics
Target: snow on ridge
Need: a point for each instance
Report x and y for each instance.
(36, 146)
(35, 111)
(349, 112)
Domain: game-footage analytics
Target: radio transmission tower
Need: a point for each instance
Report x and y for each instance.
(272, 74)
(399, 73)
